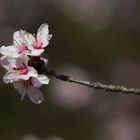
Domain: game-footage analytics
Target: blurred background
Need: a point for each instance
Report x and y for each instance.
(94, 40)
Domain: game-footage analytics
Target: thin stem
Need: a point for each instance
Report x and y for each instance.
(95, 85)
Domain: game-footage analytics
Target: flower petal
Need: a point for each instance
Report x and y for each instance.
(43, 79)
(38, 81)
(10, 76)
(35, 95)
(21, 77)
(9, 51)
(22, 60)
(32, 72)
(42, 35)
(29, 40)
(36, 52)
(22, 89)
(18, 38)
(7, 63)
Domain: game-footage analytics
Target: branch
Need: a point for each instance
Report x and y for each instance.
(95, 85)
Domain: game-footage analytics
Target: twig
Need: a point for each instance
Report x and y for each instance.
(95, 85)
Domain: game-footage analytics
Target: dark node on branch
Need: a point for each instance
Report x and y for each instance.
(64, 77)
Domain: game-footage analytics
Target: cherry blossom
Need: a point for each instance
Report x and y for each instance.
(36, 44)
(24, 42)
(9, 51)
(30, 87)
(7, 62)
(23, 62)
(21, 70)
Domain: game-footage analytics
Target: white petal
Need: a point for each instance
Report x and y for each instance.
(35, 95)
(21, 61)
(21, 88)
(18, 38)
(43, 79)
(7, 63)
(42, 35)
(21, 77)
(10, 76)
(9, 51)
(32, 72)
(38, 81)
(4, 63)
(36, 52)
(12, 62)
(29, 40)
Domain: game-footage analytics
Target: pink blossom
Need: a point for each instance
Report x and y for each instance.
(23, 63)
(21, 70)
(24, 42)
(19, 45)
(7, 62)
(9, 51)
(30, 87)
(36, 44)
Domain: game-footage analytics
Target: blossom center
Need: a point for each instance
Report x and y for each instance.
(27, 83)
(22, 70)
(37, 45)
(23, 48)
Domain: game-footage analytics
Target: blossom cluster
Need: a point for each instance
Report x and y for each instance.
(22, 60)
